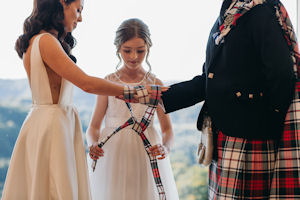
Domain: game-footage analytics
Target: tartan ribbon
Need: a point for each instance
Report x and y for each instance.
(142, 94)
(128, 93)
(140, 127)
(130, 121)
(286, 178)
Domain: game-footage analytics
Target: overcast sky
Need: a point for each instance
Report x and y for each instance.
(179, 33)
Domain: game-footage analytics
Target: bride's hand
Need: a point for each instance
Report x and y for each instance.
(95, 152)
(159, 150)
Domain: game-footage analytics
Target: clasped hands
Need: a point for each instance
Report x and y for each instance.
(96, 152)
(159, 150)
(149, 89)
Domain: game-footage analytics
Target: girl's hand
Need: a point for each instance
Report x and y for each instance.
(95, 152)
(159, 150)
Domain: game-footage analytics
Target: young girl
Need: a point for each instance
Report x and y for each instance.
(124, 172)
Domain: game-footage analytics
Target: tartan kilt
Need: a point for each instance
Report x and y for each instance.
(286, 178)
(258, 169)
(243, 170)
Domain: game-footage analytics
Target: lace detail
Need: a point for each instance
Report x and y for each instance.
(149, 80)
(119, 79)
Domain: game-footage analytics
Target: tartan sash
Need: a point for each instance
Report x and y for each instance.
(286, 177)
(140, 127)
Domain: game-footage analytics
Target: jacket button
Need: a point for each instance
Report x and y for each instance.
(211, 75)
(238, 94)
(276, 110)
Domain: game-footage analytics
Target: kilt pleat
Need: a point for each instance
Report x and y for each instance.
(286, 177)
(243, 170)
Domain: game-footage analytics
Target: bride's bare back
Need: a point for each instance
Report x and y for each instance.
(54, 78)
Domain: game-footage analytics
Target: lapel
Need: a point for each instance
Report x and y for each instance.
(212, 50)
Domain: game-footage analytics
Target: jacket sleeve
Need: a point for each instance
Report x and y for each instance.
(184, 94)
(275, 55)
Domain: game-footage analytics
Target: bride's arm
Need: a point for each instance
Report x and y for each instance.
(55, 57)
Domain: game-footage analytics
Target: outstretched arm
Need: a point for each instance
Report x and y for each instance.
(184, 94)
(55, 57)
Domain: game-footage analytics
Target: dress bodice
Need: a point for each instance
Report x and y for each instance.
(39, 81)
(117, 112)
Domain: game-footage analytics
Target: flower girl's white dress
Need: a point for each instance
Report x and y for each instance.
(124, 173)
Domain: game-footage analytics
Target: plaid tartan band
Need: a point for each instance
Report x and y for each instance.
(100, 145)
(244, 169)
(144, 97)
(128, 93)
(155, 95)
(142, 94)
(140, 127)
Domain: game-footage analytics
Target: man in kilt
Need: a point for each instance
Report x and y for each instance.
(250, 85)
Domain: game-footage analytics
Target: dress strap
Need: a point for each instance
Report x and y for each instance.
(137, 83)
(154, 79)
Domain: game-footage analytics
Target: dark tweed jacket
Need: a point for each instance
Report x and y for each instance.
(247, 82)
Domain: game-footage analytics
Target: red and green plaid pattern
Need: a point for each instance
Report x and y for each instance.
(140, 127)
(286, 178)
(142, 94)
(286, 171)
(100, 145)
(244, 169)
(128, 93)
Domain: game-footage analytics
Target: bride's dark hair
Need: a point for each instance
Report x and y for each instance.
(46, 15)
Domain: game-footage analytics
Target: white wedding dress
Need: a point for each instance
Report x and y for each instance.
(49, 158)
(124, 173)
